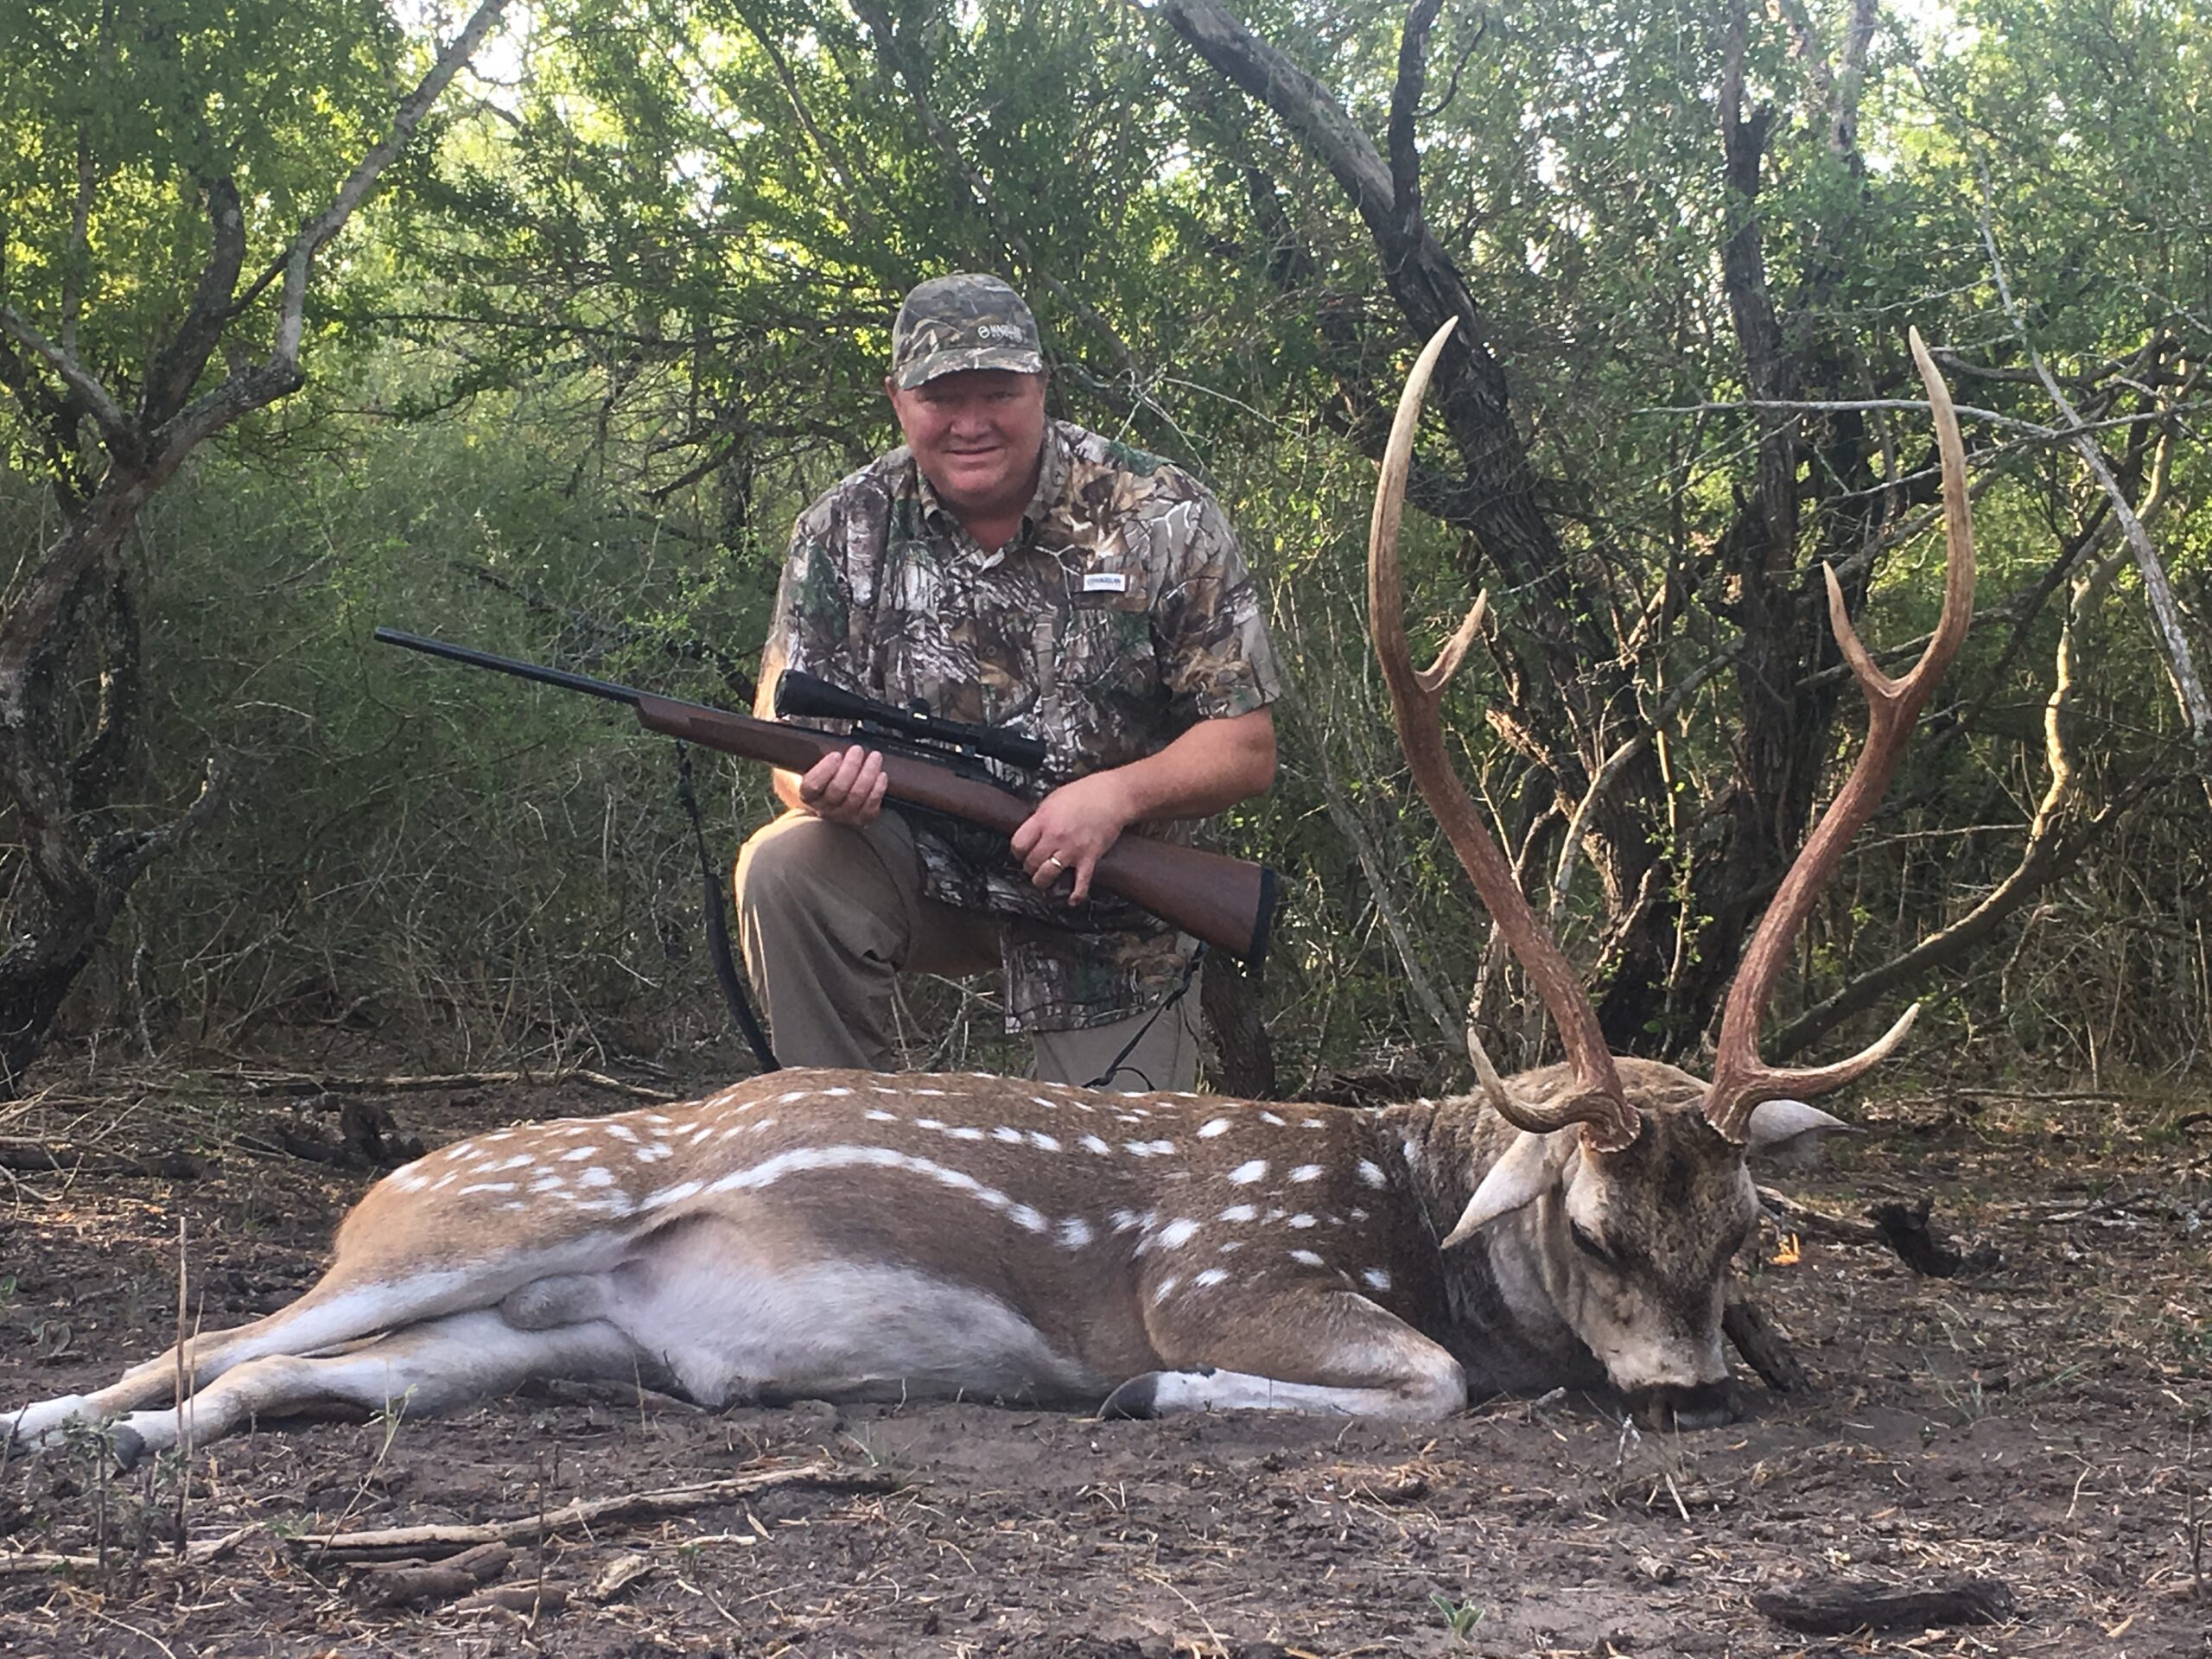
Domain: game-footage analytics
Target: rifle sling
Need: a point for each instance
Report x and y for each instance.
(718, 950)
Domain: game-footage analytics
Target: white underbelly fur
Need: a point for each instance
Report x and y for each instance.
(834, 1332)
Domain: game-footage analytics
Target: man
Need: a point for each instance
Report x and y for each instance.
(1005, 569)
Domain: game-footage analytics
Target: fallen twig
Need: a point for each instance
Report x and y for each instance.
(396, 1543)
(304, 1082)
(32, 1158)
(1818, 1223)
(1838, 1609)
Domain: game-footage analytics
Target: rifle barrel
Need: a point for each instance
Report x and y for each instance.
(520, 669)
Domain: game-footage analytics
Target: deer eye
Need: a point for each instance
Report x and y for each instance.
(1589, 1243)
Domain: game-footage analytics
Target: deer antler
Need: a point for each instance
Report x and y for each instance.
(1594, 1098)
(1740, 1080)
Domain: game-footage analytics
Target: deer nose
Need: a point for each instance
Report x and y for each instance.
(1677, 1406)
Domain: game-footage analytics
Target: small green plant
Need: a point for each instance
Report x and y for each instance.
(1459, 1618)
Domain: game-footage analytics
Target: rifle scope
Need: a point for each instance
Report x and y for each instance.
(801, 695)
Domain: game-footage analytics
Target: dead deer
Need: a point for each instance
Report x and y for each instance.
(861, 1235)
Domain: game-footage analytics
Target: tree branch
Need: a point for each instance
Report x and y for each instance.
(2189, 689)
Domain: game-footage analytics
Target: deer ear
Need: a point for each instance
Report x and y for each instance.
(1530, 1169)
(1790, 1133)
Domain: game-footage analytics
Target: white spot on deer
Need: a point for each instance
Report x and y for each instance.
(653, 1117)
(655, 1153)
(622, 1132)
(501, 1134)
(1244, 1175)
(1124, 1220)
(883, 1089)
(577, 1154)
(514, 1204)
(877, 1115)
(485, 1187)
(1212, 1127)
(1092, 1143)
(1208, 1279)
(701, 1133)
(1311, 1123)
(668, 1195)
(1232, 1247)
(1165, 1289)
(1308, 1258)
(405, 1183)
(1007, 1132)
(1240, 1212)
(966, 1133)
(1306, 1173)
(1301, 1221)
(1049, 1105)
(934, 1093)
(1371, 1174)
(444, 1180)
(1358, 1213)
(459, 1149)
(760, 1123)
(929, 1122)
(839, 1092)
(1075, 1233)
(1148, 1148)
(596, 1176)
(1028, 1218)
(1043, 1141)
(796, 1093)
(1412, 1149)
(1178, 1233)
(520, 1160)
(547, 1184)
(1374, 1278)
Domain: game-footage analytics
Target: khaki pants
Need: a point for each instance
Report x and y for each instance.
(828, 916)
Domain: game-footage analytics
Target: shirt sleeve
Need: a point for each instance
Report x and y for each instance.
(1215, 657)
(812, 627)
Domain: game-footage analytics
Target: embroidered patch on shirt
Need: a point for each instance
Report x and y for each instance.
(1105, 581)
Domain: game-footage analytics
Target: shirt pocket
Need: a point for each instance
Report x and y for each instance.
(1105, 649)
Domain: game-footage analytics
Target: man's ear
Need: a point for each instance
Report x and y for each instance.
(1789, 1133)
(1530, 1169)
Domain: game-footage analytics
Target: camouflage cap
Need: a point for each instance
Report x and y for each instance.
(964, 321)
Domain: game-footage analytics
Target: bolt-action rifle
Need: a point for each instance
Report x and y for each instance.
(935, 765)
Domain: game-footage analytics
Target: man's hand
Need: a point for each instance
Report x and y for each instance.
(1072, 828)
(845, 788)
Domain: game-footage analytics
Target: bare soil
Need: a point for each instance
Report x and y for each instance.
(2040, 1421)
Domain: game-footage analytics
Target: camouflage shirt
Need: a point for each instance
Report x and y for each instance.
(1119, 615)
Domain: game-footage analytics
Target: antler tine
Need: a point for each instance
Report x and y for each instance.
(1740, 1080)
(1595, 1098)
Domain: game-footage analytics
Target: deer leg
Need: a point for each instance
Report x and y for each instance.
(421, 1370)
(334, 1313)
(1318, 1349)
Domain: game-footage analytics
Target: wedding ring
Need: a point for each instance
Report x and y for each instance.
(1053, 862)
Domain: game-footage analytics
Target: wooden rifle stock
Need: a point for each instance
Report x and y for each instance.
(1228, 902)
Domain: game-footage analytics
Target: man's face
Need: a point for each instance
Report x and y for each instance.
(976, 435)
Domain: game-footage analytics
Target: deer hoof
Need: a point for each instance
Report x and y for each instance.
(1138, 1397)
(129, 1446)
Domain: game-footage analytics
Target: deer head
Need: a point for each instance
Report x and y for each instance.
(1626, 1182)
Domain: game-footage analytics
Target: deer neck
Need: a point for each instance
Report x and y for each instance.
(1502, 1287)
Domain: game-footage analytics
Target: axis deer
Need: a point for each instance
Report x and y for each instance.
(855, 1235)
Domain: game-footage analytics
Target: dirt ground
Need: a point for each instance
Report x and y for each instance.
(2040, 1421)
